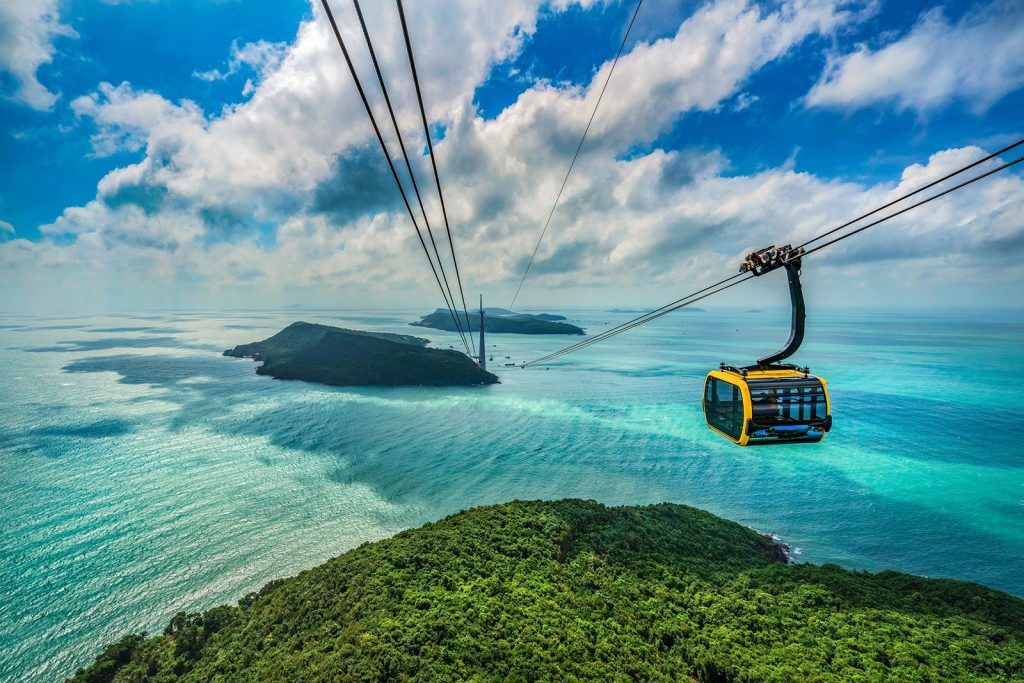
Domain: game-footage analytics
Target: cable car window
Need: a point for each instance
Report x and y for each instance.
(724, 407)
(787, 402)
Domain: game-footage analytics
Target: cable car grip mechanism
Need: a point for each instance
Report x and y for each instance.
(765, 261)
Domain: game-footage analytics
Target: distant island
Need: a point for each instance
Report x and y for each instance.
(488, 310)
(341, 357)
(574, 590)
(502, 322)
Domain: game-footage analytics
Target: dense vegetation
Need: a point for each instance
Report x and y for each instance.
(332, 355)
(573, 590)
(520, 323)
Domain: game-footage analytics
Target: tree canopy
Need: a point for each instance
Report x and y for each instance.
(576, 591)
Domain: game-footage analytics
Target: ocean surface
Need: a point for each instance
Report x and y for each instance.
(142, 473)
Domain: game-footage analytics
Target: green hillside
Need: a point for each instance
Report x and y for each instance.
(573, 590)
(342, 357)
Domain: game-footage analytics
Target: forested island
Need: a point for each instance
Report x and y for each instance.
(574, 590)
(501, 322)
(342, 357)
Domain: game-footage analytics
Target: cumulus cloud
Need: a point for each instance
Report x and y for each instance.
(128, 120)
(27, 31)
(287, 190)
(259, 56)
(6, 228)
(977, 60)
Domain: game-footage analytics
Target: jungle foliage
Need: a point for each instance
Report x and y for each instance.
(573, 590)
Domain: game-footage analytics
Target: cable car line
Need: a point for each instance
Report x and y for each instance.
(391, 165)
(915, 205)
(639, 320)
(993, 155)
(687, 300)
(405, 154)
(643, 317)
(664, 310)
(433, 159)
(575, 156)
(729, 282)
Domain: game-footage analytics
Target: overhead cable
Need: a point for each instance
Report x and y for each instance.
(575, 156)
(405, 155)
(391, 166)
(933, 183)
(664, 310)
(433, 159)
(729, 282)
(912, 206)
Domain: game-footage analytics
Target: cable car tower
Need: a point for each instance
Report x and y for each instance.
(482, 359)
(770, 401)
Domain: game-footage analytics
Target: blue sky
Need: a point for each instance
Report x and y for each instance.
(108, 156)
(47, 157)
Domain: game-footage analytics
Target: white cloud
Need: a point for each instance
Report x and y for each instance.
(6, 228)
(978, 60)
(27, 31)
(127, 120)
(298, 156)
(744, 101)
(260, 56)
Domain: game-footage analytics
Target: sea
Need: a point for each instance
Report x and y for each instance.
(143, 473)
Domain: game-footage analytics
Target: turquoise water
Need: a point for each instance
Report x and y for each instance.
(141, 473)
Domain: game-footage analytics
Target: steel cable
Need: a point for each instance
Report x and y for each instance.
(391, 165)
(704, 293)
(405, 155)
(575, 156)
(433, 159)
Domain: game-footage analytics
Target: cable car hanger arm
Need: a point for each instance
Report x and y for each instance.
(765, 261)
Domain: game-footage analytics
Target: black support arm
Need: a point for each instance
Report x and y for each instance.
(796, 332)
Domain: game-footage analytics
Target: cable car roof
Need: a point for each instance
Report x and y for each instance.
(767, 373)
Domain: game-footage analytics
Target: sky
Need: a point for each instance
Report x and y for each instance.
(215, 153)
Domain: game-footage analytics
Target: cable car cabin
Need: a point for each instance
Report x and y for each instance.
(767, 406)
(768, 402)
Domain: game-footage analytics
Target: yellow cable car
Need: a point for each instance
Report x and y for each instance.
(770, 402)
(763, 406)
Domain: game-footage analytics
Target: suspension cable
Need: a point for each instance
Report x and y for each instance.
(575, 156)
(391, 165)
(960, 170)
(433, 159)
(728, 282)
(640, 319)
(914, 206)
(405, 155)
(653, 315)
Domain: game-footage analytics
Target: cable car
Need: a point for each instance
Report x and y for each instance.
(770, 402)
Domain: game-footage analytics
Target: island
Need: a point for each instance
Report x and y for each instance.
(501, 323)
(342, 357)
(489, 310)
(573, 590)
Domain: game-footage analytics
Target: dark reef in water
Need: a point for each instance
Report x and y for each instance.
(501, 321)
(572, 590)
(341, 357)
